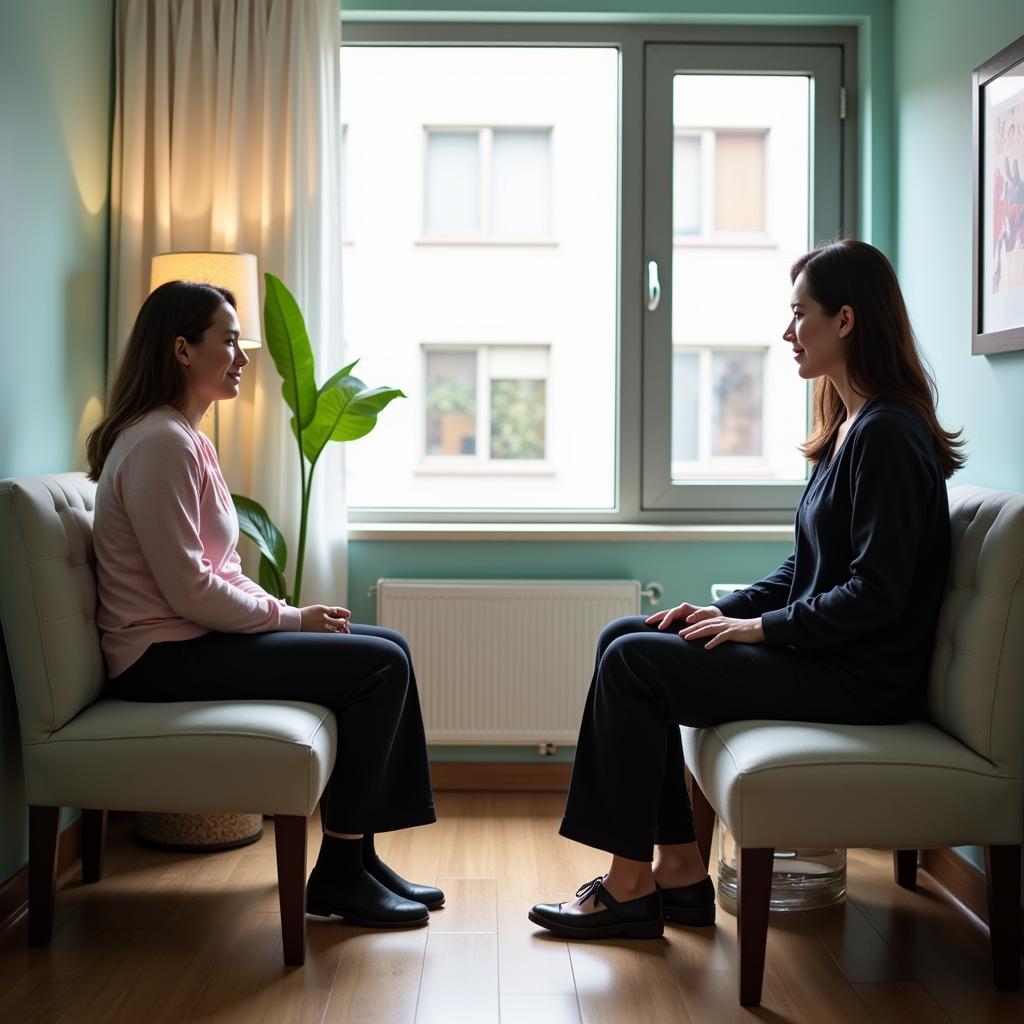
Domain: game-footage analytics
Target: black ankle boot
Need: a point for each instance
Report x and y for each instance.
(428, 895)
(339, 885)
(363, 901)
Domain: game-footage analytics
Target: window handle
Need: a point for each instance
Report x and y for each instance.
(653, 286)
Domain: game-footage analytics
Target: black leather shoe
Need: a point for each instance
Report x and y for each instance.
(690, 904)
(429, 896)
(633, 919)
(365, 902)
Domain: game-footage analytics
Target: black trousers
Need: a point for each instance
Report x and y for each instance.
(381, 777)
(627, 791)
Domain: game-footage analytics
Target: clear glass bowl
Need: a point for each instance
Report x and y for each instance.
(807, 879)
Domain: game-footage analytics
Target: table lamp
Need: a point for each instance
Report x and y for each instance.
(235, 271)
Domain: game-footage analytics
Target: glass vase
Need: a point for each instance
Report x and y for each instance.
(805, 879)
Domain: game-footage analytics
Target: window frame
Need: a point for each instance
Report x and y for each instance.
(733, 504)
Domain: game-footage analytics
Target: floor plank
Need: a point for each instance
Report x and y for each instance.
(470, 906)
(895, 1001)
(529, 964)
(460, 979)
(527, 1008)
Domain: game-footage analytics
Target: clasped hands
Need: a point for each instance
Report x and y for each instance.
(709, 621)
(323, 618)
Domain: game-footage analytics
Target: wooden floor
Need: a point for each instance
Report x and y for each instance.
(180, 937)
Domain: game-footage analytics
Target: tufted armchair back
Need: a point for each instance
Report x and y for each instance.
(48, 599)
(976, 683)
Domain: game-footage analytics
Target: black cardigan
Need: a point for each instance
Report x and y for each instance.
(862, 589)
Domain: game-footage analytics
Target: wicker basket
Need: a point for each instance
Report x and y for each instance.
(197, 832)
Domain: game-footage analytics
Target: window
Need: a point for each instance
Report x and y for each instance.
(744, 205)
(719, 182)
(718, 410)
(573, 256)
(491, 182)
(458, 291)
(507, 422)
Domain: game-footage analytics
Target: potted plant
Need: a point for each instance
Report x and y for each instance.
(343, 408)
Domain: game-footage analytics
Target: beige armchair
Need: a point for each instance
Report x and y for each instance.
(81, 750)
(954, 777)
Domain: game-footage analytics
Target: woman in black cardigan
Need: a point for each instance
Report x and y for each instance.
(840, 632)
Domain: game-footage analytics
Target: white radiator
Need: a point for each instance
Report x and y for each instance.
(503, 661)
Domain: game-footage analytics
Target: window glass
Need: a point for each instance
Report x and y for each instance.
(520, 183)
(688, 185)
(737, 387)
(743, 414)
(739, 181)
(517, 419)
(453, 183)
(685, 406)
(481, 275)
(451, 403)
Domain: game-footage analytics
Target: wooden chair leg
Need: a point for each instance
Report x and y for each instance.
(703, 820)
(904, 868)
(43, 836)
(290, 838)
(94, 838)
(1002, 881)
(753, 894)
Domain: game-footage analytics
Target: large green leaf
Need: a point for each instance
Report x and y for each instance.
(254, 522)
(270, 579)
(290, 349)
(345, 410)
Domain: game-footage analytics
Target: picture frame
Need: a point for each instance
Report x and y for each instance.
(997, 88)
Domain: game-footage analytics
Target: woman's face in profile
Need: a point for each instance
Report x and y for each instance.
(213, 367)
(818, 340)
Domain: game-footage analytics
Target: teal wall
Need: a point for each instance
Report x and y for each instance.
(938, 43)
(55, 116)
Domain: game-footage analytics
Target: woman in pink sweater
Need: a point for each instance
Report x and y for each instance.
(181, 621)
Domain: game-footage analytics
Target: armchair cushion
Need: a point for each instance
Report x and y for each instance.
(796, 784)
(272, 757)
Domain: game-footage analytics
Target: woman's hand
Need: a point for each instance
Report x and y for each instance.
(690, 613)
(722, 629)
(324, 618)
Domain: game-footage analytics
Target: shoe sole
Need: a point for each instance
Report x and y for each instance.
(317, 910)
(640, 930)
(699, 917)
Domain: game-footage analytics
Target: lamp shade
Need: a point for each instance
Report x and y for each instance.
(235, 271)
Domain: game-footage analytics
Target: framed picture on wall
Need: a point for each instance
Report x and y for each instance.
(998, 101)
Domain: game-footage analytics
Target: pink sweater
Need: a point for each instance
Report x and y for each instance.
(165, 532)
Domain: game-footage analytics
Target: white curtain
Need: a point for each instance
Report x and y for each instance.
(227, 138)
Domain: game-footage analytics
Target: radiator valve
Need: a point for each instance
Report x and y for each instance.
(545, 749)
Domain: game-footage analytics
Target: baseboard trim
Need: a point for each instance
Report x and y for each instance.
(14, 892)
(467, 776)
(961, 879)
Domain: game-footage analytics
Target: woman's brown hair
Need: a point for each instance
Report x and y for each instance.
(149, 375)
(882, 357)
